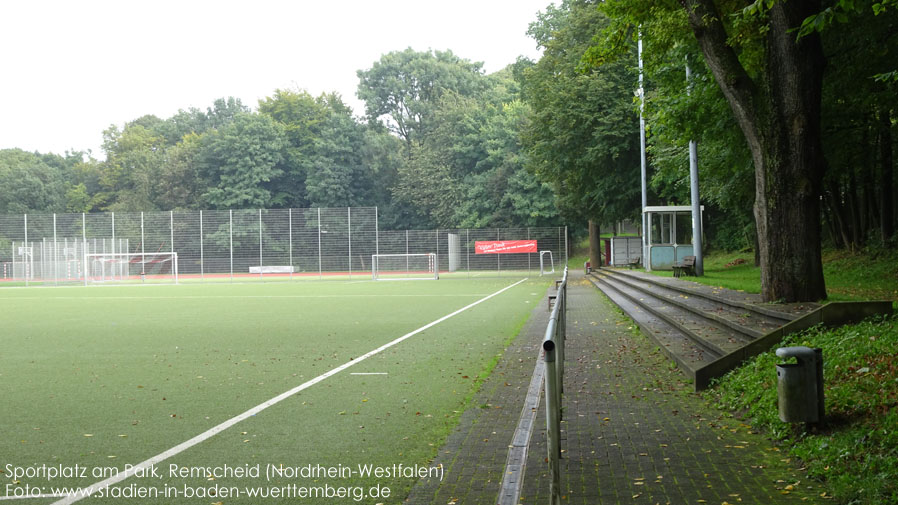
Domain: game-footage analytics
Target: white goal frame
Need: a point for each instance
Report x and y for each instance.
(120, 267)
(542, 264)
(432, 271)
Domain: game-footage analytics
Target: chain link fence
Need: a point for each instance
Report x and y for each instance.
(260, 244)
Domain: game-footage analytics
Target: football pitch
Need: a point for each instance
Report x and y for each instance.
(309, 392)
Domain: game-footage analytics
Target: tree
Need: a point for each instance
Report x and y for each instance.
(302, 116)
(328, 162)
(29, 184)
(582, 135)
(468, 168)
(772, 82)
(239, 161)
(779, 114)
(134, 157)
(405, 87)
(179, 185)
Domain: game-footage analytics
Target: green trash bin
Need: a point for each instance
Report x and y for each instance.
(799, 385)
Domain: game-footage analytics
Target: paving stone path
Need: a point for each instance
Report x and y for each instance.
(633, 432)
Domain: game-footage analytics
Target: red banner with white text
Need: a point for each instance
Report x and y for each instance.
(505, 246)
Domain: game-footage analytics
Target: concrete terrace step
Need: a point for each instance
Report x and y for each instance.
(708, 330)
(671, 340)
(779, 314)
(748, 320)
(713, 338)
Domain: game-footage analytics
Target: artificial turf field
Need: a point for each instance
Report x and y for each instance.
(96, 378)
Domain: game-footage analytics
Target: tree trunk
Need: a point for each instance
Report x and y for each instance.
(886, 205)
(757, 246)
(854, 214)
(595, 251)
(780, 118)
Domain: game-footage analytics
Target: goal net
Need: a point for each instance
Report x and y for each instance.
(159, 267)
(404, 266)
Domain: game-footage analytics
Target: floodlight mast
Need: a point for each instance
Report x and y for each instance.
(645, 225)
(693, 187)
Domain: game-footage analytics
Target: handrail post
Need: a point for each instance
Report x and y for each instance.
(553, 428)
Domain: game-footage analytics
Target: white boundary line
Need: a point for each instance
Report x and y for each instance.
(210, 297)
(183, 446)
(32, 496)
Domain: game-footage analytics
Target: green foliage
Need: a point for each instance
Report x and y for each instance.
(406, 86)
(854, 451)
(240, 159)
(28, 183)
(582, 135)
(468, 167)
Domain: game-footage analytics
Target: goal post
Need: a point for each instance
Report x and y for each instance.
(404, 267)
(158, 267)
(546, 265)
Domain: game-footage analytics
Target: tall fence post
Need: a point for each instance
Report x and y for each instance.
(290, 239)
(319, 243)
(55, 261)
(85, 267)
(260, 245)
(24, 257)
(468, 249)
(231, 240)
(349, 236)
(202, 255)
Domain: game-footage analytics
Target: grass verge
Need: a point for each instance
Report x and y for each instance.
(856, 450)
(864, 275)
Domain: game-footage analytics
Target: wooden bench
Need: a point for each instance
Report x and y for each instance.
(687, 267)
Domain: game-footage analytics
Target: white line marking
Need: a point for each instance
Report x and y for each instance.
(204, 297)
(183, 446)
(27, 496)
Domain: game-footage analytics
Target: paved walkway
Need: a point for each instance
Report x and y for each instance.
(632, 432)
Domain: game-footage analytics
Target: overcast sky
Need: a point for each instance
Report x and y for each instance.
(72, 68)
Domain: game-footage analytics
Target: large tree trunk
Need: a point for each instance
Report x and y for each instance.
(595, 250)
(780, 118)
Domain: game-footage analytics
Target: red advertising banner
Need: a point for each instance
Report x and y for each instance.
(505, 247)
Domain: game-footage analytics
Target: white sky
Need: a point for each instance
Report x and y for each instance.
(71, 68)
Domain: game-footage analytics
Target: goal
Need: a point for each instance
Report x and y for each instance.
(546, 263)
(404, 266)
(159, 267)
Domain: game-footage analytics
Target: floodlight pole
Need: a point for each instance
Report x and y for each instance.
(642, 162)
(693, 183)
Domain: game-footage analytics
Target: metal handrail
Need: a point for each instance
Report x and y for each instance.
(553, 354)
